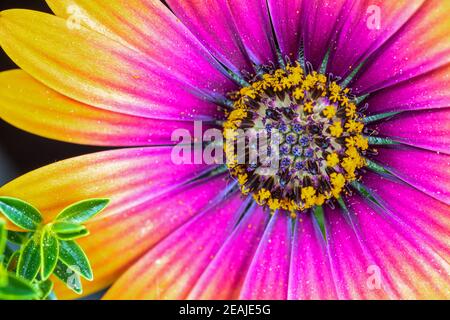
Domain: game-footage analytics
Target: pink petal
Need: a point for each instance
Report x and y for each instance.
(350, 260)
(311, 276)
(403, 263)
(239, 33)
(430, 90)
(150, 27)
(286, 19)
(212, 23)
(255, 29)
(268, 275)
(130, 233)
(322, 20)
(429, 129)
(171, 269)
(359, 37)
(427, 218)
(420, 46)
(224, 277)
(427, 171)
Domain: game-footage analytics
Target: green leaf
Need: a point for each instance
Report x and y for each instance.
(69, 277)
(49, 253)
(3, 276)
(17, 237)
(82, 211)
(72, 236)
(67, 227)
(3, 238)
(29, 260)
(46, 288)
(73, 256)
(319, 216)
(20, 213)
(18, 289)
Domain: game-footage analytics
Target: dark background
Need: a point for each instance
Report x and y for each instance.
(20, 151)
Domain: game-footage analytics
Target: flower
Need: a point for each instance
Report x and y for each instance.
(362, 213)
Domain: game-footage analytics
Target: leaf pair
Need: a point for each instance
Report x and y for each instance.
(27, 217)
(51, 249)
(42, 253)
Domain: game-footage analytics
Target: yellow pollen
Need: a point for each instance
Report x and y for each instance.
(362, 142)
(242, 178)
(274, 204)
(354, 126)
(329, 112)
(332, 159)
(308, 107)
(309, 196)
(350, 111)
(299, 93)
(336, 129)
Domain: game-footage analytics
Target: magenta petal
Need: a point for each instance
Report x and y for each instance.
(254, 27)
(416, 49)
(403, 265)
(212, 23)
(171, 269)
(428, 91)
(322, 19)
(159, 34)
(427, 218)
(286, 19)
(150, 27)
(225, 275)
(310, 275)
(425, 170)
(349, 258)
(429, 129)
(359, 37)
(268, 275)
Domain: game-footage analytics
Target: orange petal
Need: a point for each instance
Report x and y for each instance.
(128, 177)
(92, 68)
(33, 107)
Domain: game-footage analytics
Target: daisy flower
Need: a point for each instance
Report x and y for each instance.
(358, 90)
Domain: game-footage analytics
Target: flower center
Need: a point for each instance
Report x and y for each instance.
(315, 131)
